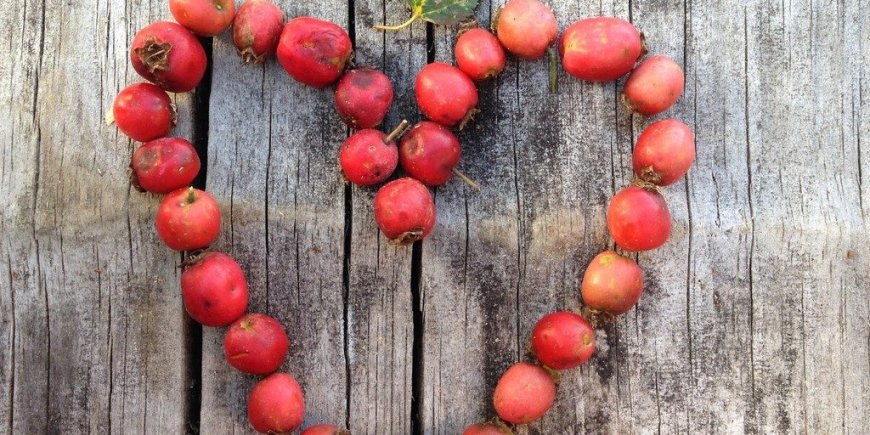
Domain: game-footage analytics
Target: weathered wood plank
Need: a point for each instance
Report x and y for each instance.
(92, 318)
(272, 164)
(379, 322)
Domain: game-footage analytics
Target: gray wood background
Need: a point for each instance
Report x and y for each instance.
(756, 314)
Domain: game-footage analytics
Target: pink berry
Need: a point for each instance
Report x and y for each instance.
(523, 394)
(612, 283)
(325, 429)
(526, 28)
(168, 55)
(638, 219)
(188, 219)
(214, 290)
(563, 340)
(664, 152)
(445, 94)
(654, 86)
(429, 152)
(367, 158)
(601, 48)
(257, 29)
(363, 97)
(479, 54)
(203, 17)
(404, 210)
(276, 404)
(314, 51)
(143, 112)
(256, 344)
(163, 165)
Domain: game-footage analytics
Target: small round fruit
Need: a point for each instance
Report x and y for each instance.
(563, 340)
(168, 55)
(600, 49)
(325, 429)
(363, 97)
(486, 429)
(143, 112)
(314, 51)
(366, 159)
(526, 28)
(429, 152)
(654, 86)
(638, 219)
(445, 94)
(214, 290)
(203, 17)
(404, 211)
(276, 404)
(256, 344)
(479, 54)
(523, 394)
(257, 29)
(612, 283)
(163, 165)
(664, 152)
(188, 219)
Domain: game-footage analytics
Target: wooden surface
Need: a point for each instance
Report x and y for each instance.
(755, 317)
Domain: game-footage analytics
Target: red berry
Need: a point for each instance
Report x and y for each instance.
(664, 152)
(429, 152)
(257, 29)
(169, 55)
(203, 17)
(601, 48)
(325, 429)
(654, 86)
(363, 97)
(638, 219)
(276, 404)
(188, 219)
(163, 165)
(214, 290)
(256, 344)
(479, 54)
(404, 210)
(445, 94)
(486, 429)
(143, 112)
(563, 340)
(526, 28)
(523, 394)
(612, 283)
(314, 51)
(366, 159)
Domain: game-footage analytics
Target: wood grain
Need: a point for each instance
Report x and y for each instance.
(755, 317)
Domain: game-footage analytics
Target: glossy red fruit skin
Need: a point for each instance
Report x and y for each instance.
(445, 94)
(523, 394)
(203, 17)
(256, 344)
(526, 28)
(366, 160)
(479, 54)
(214, 290)
(325, 429)
(169, 56)
(276, 404)
(363, 98)
(485, 429)
(654, 86)
(404, 211)
(314, 51)
(664, 152)
(612, 283)
(563, 340)
(143, 112)
(600, 49)
(257, 29)
(188, 219)
(163, 165)
(638, 219)
(429, 152)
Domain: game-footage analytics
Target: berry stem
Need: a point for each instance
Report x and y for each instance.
(396, 131)
(554, 70)
(417, 13)
(467, 180)
(191, 196)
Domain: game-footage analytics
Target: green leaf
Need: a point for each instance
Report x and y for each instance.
(445, 12)
(441, 12)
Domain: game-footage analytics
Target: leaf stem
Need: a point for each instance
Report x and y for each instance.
(417, 13)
